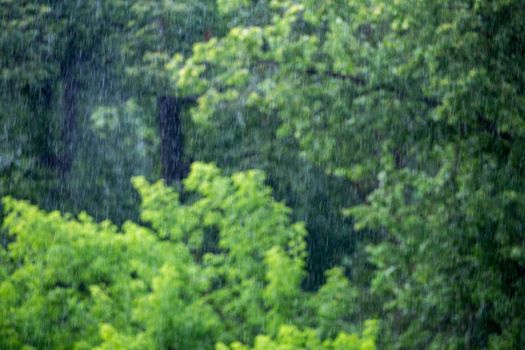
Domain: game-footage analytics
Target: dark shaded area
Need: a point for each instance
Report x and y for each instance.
(171, 137)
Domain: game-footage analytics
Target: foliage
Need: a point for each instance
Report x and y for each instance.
(224, 267)
(118, 55)
(60, 62)
(78, 88)
(393, 129)
(419, 104)
(290, 338)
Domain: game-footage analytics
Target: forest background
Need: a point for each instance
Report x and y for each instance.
(387, 208)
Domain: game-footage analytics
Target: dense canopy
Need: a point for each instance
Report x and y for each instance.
(370, 192)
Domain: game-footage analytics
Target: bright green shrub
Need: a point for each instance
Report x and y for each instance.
(290, 338)
(222, 267)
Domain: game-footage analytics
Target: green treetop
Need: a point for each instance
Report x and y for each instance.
(419, 104)
(225, 267)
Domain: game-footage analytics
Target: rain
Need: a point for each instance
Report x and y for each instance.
(262, 174)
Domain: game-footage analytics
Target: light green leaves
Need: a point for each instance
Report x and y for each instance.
(291, 338)
(225, 265)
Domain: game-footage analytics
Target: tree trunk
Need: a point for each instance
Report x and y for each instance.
(41, 133)
(171, 137)
(69, 126)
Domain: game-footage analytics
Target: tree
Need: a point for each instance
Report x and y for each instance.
(157, 32)
(125, 117)
(419, 105)
(75, 283)
(60, 60)
(242, 136)
(80, 84)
